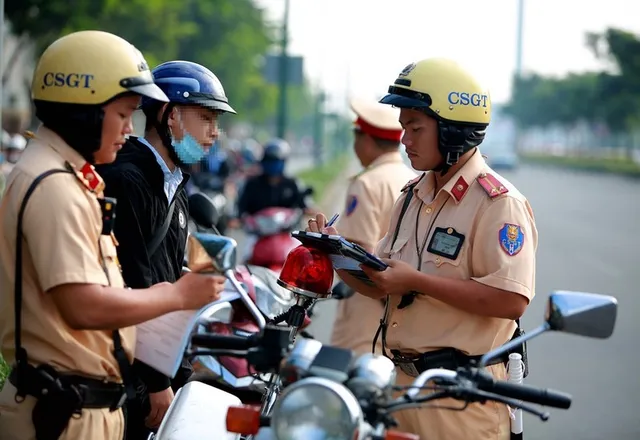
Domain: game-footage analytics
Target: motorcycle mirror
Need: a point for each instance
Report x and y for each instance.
(207, 250)
(586, 314)
(202, 210)
(580, 313)
(211, 251)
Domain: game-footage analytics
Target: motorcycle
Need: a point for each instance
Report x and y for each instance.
(327, 395)
(262, 300)
(270, 229)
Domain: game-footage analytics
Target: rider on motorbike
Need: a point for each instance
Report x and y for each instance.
(272, 188)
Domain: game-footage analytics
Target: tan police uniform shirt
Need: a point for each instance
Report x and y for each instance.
(62, 244)
(365, 220)
(500, 240)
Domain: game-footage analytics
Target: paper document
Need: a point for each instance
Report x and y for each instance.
(161, 342)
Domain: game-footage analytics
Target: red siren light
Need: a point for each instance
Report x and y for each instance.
(308, 272)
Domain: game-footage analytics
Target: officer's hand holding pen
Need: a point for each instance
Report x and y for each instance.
(321, 225)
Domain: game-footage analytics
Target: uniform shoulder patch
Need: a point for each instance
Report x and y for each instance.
(492, 186)
(88, 177)
(412, 183)
(352, 203)
(511, 239)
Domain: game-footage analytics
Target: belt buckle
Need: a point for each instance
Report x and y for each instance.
(409, 369)
(120, 403)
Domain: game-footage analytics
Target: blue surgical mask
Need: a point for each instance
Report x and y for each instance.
(273, 167)
(188, 149)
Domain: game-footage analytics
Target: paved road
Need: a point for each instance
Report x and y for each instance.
(589, 240)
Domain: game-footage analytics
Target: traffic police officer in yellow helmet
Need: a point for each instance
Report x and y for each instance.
(460, 248)
(58, 261)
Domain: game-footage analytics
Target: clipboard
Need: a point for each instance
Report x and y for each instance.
(344, 254)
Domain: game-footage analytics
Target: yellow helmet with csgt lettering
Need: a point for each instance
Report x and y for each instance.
(442, 88)
(91, 68)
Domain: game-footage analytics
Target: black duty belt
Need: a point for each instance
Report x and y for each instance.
(92, 393)
(448, 358)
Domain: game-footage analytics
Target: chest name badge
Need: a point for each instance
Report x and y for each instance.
(446, 242)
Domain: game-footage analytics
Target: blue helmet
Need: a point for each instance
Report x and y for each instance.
(189, 83)
(276, 149)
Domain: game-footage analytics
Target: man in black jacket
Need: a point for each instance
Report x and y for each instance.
(152, 210)
(271, 188)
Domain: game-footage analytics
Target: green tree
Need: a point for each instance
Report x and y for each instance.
(228, 36)
(609, 97)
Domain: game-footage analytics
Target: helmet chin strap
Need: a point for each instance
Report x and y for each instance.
(162, 128)
(450, 159)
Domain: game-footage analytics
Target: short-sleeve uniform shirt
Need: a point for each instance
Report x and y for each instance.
(62, 244)
(498, 244)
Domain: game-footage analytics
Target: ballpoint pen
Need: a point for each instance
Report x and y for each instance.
(333, 220)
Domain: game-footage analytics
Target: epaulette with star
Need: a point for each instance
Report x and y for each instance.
(88, 177)
(492, 186)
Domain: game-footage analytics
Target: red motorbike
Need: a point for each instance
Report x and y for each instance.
(271, 228)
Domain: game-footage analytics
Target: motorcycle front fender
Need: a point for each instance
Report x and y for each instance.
(198, 411)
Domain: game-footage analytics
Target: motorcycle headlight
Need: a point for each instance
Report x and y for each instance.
(316, 409)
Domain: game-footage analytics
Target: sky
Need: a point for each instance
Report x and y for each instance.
(357, 47)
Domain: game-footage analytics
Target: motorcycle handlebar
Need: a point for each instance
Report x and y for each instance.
(485, 382)
(225, 342)
(541, 396)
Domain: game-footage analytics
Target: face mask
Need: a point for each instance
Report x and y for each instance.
(188, 150)
(273, 167)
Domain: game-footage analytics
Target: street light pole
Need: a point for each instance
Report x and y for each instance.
(518, 74)
(519, 38)
(283, 75)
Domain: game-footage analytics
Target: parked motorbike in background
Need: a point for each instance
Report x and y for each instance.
(269, 231)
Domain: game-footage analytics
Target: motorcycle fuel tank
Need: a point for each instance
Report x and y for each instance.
(198, 411)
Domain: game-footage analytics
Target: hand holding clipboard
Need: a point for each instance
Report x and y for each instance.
(344, 254)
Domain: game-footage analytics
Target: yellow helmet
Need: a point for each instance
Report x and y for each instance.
(91, 68)
(444, 90)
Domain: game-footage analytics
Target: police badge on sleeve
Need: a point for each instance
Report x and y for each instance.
(511, 238)
(352, 203)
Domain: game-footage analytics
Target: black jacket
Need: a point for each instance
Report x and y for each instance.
(136, 180)
(258, 194)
